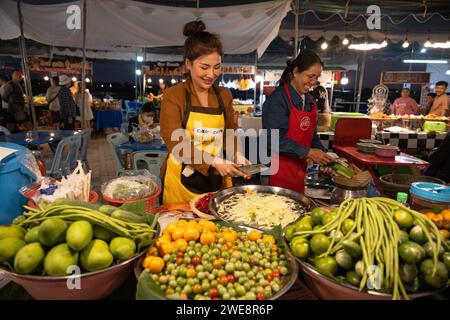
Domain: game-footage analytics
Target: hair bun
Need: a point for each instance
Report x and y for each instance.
(193, 27)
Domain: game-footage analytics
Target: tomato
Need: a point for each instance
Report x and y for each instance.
(276, 274)
(153, 264)
(192, 224)
(319, 243)
(254, 235)
(197, 288)
(231, 278)
(223, 280)
(210, 226)
(260, 296)
(191, 233)
(171, 226)
(162, 239)
(207, 237)
(180, 254)
(268, 239)
(190, 273)
(178, 233)
(152, 251)
(269, 277)
(181, 244)
(196, 260)
(179, 261)
(213, 293)
(229, 235)
(166, 248)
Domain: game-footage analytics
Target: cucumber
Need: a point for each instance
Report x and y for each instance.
(107, 209)
(75, 203)
(352, 248)
(128, 216)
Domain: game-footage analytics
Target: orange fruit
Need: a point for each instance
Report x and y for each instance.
(210, 226)
(254, 235)
(152, 251)
(202, 222)
(207, 237)
(191, 233)
(166, 248)
(438, 217)
(153, 264)
(445, 234)
(178, 233)
(446, 215)
(430, 215)
(180, 244)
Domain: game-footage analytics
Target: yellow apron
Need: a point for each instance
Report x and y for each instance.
(205, 127)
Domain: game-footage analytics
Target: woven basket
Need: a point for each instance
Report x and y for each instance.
(359, 180)
(391, 184)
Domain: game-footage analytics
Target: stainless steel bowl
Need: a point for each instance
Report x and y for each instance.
(221, 196)
(286, 285)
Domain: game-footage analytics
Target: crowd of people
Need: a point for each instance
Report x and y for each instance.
(437, 103)
(64, 98)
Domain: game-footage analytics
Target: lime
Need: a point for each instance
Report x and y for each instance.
(408, 272)
(316, 215)
(404, 219)
(297, 239)
(446, 260)
(416, 234)
(319, 243)
(411, 252)
(303, 226)
(353, 278)
(328, 217)
(347, 225)
(327, 266)
(301, 250)
(403, 237)
(289, 232)
(439, 278)
(317, 227)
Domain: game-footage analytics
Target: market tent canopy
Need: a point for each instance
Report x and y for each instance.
(116, 23)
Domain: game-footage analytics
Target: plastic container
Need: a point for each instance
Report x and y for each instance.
(391, 184)
(13, 176)
(152, 202)
(93, 197)
(429, 196)
(335, 116)
(386, 151)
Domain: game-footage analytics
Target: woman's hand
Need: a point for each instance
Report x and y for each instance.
(227, 168)
(241, 160)
(319, 157)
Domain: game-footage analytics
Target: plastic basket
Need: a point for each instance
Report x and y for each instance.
(93, 197)
(391, 184)
(151, 203)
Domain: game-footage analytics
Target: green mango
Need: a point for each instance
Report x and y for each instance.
(79, 234)
(52, 232)
(9, 248)
(59, 259)
(32, 235)
(122, 248)
(96, 256)
(12, 231)
(29, 258)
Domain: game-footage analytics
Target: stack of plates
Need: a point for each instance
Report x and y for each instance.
(366, 147)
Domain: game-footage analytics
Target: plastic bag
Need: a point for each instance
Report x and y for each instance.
(142, 133)
(132, 185)
(29, 162)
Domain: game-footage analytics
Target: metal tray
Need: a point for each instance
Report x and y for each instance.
(221, 196)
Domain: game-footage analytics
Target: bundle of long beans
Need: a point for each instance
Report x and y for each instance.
(378, 235)
(74, 213)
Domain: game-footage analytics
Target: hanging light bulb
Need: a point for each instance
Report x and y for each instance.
(161, 80)
(46, 78)
(345, 41)
(427, 43)
(344, 80)
(324, 45)
(87, 80)
(149, 80)
(140, 58)
(173, 81)
(405, 43)
(74, 79)
(423, 50)
(138, 72)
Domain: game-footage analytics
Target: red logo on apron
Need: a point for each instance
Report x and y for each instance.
(305, 123)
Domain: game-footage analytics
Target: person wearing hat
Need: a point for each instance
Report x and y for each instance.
(67, 106)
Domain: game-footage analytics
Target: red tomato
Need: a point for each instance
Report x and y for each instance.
(269, 277)
(223, 280)
(196, 260)
(213, 293)
(260, 296)
(231, 278)
(179, 261)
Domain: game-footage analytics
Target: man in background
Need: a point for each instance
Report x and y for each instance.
(67, 106)
(14, 96)
(441, 101)
(3, 104)
(405, 105)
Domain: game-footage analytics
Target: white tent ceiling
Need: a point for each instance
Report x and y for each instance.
(115, 23)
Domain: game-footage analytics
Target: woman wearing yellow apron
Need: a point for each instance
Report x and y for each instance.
(202, 112)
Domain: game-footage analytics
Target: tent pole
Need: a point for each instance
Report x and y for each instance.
(296, 12)
(256, 72)
(143, 78)
(361, 79)
(83, 71)
(26, 70)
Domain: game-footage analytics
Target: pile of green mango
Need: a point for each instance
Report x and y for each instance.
(55, 246)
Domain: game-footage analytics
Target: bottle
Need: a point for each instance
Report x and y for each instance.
(402, 197)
